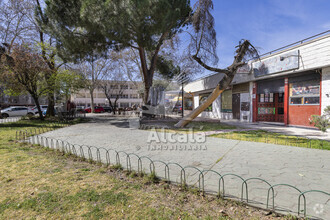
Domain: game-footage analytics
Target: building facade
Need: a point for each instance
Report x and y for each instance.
(21, 100)
(286, 86)
(126, 90)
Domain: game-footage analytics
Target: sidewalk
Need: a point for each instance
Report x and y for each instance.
(312, 133)
(304, 168)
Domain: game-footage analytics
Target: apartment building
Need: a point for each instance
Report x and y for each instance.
(126, 90)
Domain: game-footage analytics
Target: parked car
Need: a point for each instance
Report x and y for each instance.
(16, 111)
(107, 109)
(177, 108)
(35, 109)
(80, 109)
(97, 109)
(44, 112)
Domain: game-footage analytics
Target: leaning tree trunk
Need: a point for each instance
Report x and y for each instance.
(222, 85)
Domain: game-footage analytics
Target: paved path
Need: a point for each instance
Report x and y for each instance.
(303, 168)
(288, 130)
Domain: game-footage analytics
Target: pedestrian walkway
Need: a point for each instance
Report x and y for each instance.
(305, 169)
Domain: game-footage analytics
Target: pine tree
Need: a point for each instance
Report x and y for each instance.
(87, 27)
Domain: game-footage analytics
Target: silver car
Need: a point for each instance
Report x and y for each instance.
(15, 111)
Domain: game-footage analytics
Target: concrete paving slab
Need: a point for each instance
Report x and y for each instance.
(306, 169)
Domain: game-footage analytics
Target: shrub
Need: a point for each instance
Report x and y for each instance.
(322, 122)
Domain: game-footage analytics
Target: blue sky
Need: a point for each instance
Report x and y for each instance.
(268, 24)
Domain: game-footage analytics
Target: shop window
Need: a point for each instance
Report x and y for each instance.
(280, 97)
(296, 101)
(202, 99)
(305, 93)
(311, 100)
(226, 101)
(266, 97)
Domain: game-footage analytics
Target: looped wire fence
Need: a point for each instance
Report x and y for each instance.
(8, 120)
(113, 157)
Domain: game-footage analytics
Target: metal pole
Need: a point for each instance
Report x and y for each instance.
(182, 100)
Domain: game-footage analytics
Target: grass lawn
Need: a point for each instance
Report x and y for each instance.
(209, 126)
(274, 138)
(38, 183)
(196, 125)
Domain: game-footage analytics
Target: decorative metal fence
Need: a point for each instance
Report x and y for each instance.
(148, 165)
(7, 120)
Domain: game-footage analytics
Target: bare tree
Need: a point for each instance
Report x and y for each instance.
(18, 24)
(113, 90)
(203, 50)
(94, 71)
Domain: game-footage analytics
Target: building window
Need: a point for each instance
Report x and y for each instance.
(114, 86)
(101, 95)
(124, 96)
(280, 97)
(296, 101)
(134, 96)
(124, 86)
(311, 100)
(124, 105)
(266, 97)
(202, 99)
(226, 101)
(305, 93)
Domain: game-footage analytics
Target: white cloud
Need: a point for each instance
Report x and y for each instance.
(326, 26)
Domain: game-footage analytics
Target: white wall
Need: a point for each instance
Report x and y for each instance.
(206, 83)
(245, 97)
(313, 54)
(216, 108)
(325, 93)
(251, 100)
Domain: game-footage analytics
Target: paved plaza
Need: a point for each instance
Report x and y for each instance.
(306, 169)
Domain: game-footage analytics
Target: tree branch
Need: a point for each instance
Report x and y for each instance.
(200, 62)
